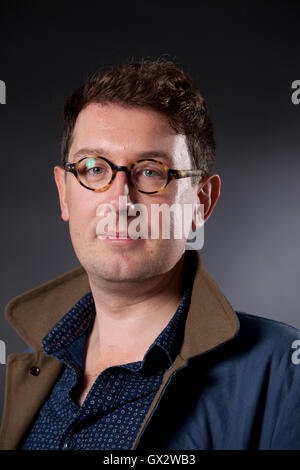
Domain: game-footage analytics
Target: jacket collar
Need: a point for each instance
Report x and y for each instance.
(210, 322)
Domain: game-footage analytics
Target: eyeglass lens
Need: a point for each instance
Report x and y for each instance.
(146, 175)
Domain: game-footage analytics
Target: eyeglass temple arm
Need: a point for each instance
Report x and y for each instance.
(69, 166)
(185, 173)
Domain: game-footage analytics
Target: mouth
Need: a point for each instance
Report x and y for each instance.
(119, 236)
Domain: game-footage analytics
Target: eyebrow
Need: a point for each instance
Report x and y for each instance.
(148, 154)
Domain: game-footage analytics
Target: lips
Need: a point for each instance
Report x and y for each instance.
(117, 235)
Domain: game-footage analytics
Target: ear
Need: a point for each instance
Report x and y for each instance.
(208, 193)
(59, 176)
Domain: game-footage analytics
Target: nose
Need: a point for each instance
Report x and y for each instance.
(119, 192)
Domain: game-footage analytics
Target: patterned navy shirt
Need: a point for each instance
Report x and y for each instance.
(114, 409)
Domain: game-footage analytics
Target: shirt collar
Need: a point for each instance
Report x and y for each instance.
(66, 340)
(74, 324)
(210, 323)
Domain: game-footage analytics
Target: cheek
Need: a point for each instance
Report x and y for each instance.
(177, 217)
(81, 213)
(182, 193)
(186, 192)
(186, 204)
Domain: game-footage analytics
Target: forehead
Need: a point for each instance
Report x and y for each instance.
(127, 133)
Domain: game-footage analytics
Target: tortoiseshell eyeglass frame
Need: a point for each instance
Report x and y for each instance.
(171, 173)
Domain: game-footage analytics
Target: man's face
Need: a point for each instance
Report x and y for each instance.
(123, 135)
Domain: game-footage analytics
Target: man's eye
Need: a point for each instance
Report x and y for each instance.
(96, 170)
(150, 173)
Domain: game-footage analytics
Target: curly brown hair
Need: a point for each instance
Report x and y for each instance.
(156, 84)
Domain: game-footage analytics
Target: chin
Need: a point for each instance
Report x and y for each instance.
(130, 265)
(122, 275)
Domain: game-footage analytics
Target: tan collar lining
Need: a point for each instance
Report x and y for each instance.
(211, 320)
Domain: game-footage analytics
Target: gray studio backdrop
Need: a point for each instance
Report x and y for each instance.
(244, 55)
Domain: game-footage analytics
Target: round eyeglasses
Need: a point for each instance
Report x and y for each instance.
(147, 176)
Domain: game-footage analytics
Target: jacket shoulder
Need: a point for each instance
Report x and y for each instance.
(267, 334)
(266, 325)
(33, 313)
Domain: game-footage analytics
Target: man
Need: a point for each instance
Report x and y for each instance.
(138, 348)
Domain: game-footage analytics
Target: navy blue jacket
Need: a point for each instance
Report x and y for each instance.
(234, 385)
(244, 394)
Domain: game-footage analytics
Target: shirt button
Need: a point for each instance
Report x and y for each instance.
(34, 370)
(67, 444)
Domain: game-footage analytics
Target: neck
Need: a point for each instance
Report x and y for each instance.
(138, 310)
